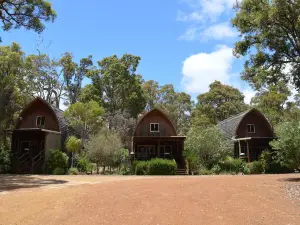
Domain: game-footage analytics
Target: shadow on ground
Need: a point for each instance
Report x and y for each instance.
(290, 179)
(12, 182)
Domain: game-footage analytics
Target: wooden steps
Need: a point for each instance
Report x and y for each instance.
(181, 172)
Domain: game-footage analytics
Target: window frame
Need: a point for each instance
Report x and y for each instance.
(37, 119)
(249, 126)
(154, 127)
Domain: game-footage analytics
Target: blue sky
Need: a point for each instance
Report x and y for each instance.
(184, 42)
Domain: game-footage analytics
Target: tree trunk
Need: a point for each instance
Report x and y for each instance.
(103, 170)
(97, 165)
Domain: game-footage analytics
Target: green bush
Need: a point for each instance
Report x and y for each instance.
(4, 160)
(73, 171)
(82, 163)
(246, 170)
(141, 168)
(205, 172)
(162, 167)
(232, 165)
(57, 159)
(216, 169)
(59, 171)
(255, 167)
(276, 167)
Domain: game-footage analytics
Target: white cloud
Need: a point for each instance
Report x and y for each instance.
(202, 69)
(249, 94)
(194, 16)
(210, 9)
(216, 32)
(219, 31)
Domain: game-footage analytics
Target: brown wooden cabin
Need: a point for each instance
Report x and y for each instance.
(156, 137)
(251, 133)
(39, 128)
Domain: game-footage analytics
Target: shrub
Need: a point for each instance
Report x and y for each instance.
(232, 165)
(162, 167)
(82, 163)
(4, 160)
(276, 167)
(216, 169)
(90, 167)
(141, 168)
(73, 171)
(57, 159)
(255, 167)
(205, 172)
(59, 171)
(246, 170)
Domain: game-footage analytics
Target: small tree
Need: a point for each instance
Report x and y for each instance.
(73, 145)
(208, 145)
(287, 144)
(102, 148)
(85, 118)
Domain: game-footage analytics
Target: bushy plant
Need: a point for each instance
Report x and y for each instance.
(4, 160)
(82, 163)
(216, 169)
(265, 159)
(141, 168)
(255, 167)
(205, 172)
(57, 159)
(246, 169)
(232, 164)
(162, 167)
(59, 171)
(277, 167)
(73, 171)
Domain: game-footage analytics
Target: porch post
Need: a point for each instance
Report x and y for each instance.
(239, 148)
(248, 155)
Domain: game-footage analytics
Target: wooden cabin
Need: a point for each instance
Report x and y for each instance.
(251, 132)
(156, 137)
(39, 128)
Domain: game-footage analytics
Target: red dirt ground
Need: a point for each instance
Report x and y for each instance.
(148, 200)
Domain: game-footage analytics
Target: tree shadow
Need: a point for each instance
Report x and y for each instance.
(290, 179)
(12, 182)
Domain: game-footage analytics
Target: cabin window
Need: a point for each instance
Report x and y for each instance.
(250, 128)
(154, 127)
(40, 121)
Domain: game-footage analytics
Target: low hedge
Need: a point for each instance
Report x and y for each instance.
(155, 167)
(255, 167)
(162, 167)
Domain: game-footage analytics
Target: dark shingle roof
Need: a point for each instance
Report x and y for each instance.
(230, 125)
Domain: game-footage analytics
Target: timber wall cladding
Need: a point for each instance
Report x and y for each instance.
(165, 126)
(38, 109)
(262, 127)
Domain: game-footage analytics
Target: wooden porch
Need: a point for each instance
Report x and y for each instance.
(146, 148)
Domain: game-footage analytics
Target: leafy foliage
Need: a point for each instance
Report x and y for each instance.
(232, 165)
(162, 167)
(208, 145)
(118, 85)
(57, 160)
(27, 14)
(255, 167)
(59, 171)
(141, 167)
(5, 161)
(287, 144)
(85, 118)
(73, 171)
(219, 103)
(269, 31)
(103, 147)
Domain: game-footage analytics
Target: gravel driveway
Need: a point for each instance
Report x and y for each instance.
(43, 200)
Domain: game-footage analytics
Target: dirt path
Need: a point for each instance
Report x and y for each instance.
(159, 200)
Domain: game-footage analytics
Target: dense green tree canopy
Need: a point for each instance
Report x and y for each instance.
(29, 14)
(272, 102)
(118, 84)
(219, 103)
(270, 32)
